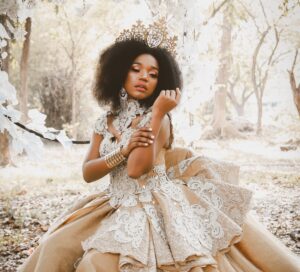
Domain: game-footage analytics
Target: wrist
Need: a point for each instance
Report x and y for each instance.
(114, 158)
(156, 113)
(123, 152)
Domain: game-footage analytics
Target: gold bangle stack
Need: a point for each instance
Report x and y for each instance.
(114, 158)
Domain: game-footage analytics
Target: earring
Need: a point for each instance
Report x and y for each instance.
(123, 97)
(123, 94)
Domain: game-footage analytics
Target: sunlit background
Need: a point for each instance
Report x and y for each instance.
(238, 60)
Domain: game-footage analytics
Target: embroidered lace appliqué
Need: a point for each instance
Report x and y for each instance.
(129, 228)
(127, 113)
(197, 228)
(206, 190)
(156, 219)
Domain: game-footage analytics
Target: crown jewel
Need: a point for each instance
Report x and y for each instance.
(155, 35)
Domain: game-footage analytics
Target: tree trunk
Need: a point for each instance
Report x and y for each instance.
(259, 117)
(220, 126)
(294, 87)
(4, 137)
(296, 93)
(23, 94)
(74, 110)
(256, 81)
(240, 110)
(239, 107)
(219, 114)
(4, 149)
(260, 77)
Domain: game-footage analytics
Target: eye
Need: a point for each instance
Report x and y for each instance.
(154, 75)
(135, 69)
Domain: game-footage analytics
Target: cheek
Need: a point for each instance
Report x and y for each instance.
(154, 84)
(130, 78)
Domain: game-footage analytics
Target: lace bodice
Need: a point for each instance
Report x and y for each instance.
(124, 190)
(107, 144)
(166, 215)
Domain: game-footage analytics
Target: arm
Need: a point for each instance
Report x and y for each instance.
(140, 161)
(94, 167)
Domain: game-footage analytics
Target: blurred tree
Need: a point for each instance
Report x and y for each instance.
(294, 87)
(55, 97)
(23, 93)
(58, 66)
(260, 75)
(73, 52)
(261, 65)
(241, 83)
(4, 136)
(221, 126)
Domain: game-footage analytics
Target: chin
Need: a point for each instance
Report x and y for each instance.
(140, 96)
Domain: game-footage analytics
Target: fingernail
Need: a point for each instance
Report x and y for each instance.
(151, 142)
(152, 137)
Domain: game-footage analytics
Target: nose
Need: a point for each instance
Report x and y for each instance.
(144, 75)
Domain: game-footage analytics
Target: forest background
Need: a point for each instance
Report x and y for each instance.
(240, 103)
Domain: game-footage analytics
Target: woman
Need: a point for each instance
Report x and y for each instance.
(165, 209)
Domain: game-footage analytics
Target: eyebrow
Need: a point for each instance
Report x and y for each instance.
(153, 67)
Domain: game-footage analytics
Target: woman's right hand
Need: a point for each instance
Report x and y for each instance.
(143, 137)
(166, 101)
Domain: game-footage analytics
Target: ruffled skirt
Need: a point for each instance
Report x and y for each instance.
(195, 221)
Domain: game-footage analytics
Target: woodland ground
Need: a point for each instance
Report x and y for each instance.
(32, 193)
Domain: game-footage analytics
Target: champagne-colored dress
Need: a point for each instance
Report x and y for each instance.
(187, 214)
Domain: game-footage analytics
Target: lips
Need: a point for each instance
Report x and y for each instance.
(141, 87)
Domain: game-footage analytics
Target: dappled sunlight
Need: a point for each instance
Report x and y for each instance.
(239, 103)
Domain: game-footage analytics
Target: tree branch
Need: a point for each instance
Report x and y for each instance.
(254, 60)
(277, 59)
(251, 16)
(291, 73)
(215, 11)
(277, 37)
(247, 96)
(295, 59)
(264, 12)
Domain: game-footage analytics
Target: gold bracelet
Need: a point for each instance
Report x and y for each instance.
(114, 158)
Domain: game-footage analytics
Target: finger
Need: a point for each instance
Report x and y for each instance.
(163, 92)
(148, 135)
(168, 92)
(173, 94)
(138, 144)
(178, 94)
(143, 140)
(140, 132)
(145, 129)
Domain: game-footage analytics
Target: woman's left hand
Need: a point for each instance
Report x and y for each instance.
(166, 101)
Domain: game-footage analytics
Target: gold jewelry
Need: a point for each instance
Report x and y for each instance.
(114, 158)
(155, 35)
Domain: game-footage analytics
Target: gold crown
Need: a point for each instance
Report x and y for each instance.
(154, 36)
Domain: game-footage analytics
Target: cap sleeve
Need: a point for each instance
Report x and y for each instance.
(100, 126)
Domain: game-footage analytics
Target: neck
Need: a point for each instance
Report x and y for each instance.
(130, 106)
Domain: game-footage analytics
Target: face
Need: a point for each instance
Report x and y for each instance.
(142, 77)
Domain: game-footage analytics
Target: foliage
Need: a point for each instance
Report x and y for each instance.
(21, 141)
(70, 37)
(54, 94)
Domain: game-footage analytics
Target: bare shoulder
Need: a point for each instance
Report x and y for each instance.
(93, 151)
